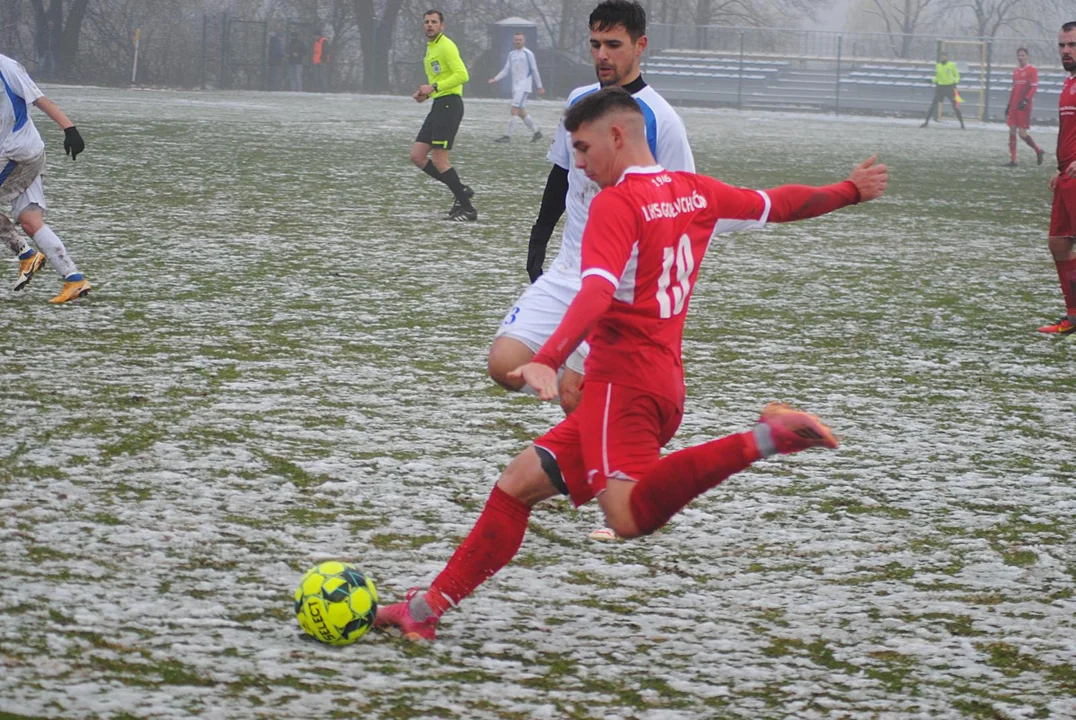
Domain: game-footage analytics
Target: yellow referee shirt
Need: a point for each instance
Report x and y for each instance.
(445, 67)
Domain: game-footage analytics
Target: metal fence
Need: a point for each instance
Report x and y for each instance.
(839, 72)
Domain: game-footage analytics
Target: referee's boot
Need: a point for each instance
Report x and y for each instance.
(28, 268)
(463, 214)
(456, 203)
(536, 136)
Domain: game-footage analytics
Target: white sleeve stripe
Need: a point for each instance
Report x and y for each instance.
(765, 211)
(605, 274)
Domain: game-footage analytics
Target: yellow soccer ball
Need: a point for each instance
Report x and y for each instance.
(335, 603)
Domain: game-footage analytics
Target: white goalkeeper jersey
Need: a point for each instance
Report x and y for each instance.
(19, 139)
(667, 137)
(524, 69)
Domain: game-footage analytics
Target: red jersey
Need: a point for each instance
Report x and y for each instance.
(1066, 133)
(1025, 82)
(642, 248)
(654, 231)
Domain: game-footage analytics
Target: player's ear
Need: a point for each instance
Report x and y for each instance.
(640, 44)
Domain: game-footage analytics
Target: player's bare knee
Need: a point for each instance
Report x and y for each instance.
(1062, 249)
(31, 221)
(498, 372)
(526, 480)
(418, 157)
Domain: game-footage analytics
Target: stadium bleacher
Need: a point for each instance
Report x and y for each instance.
(811, 83)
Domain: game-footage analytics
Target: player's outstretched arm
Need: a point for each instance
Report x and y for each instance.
(800, 202)
(73, 142)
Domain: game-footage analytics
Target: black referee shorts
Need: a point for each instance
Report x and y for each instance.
(441, 124)
(944, 92)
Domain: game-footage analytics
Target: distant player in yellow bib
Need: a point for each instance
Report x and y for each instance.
(445, 77)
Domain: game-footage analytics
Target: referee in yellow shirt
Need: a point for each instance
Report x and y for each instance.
(445, 76)
(946, 77)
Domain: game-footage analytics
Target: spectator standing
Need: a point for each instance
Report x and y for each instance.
(276, 62)
(46, 50)
(320, 61)
(296, 55)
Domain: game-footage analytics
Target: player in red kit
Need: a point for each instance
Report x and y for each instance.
(1063, 214)
(1025, 82)
(644, 241)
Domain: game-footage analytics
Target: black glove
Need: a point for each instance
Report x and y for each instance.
(1007, 108)
(1022, 104)
(73, 142)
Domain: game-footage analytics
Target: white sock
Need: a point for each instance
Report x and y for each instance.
(49, 243)
(529, 122)
(512, 125)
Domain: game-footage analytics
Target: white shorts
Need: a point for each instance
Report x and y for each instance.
(536, 315)
(518, 98)
(22, 184)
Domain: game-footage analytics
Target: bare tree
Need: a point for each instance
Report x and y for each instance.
(901, 18)
(376, 36)
(63, 27)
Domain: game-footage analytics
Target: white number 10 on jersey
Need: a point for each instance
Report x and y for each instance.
(685, 265)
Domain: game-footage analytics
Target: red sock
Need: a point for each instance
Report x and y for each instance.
(1066, 272)
(679, 478)
(1012, 147)
(1032, 143)
(492, 543)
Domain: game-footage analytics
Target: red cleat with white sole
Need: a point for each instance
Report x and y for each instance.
(399, 616)
(794, 430)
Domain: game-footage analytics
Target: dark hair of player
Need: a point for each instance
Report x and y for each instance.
(1069, 26)
(627, 13)
(598, 105)
(1022, 50)
(440, 15)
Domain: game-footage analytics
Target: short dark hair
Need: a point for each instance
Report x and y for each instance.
(440, 15)
(598, 105)
(628, 13)
(1068, 26)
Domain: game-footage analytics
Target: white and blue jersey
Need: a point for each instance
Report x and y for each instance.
(667, 138)
(19, 139)
(524, 69)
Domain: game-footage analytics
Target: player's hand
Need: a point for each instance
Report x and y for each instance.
(419, 97)
(540, 377)
(426, 90)
(541, 91)
(492, 80)
(73, 142)
(1021, 105)
(1070, 171)
(1053, 181)
(870, 179)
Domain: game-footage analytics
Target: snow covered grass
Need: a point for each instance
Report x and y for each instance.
(283, 362)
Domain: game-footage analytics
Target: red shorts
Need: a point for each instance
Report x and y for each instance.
(1063, 214)
(1019, 118)
(616, 432)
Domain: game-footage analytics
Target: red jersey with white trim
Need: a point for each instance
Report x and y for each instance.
(1025, 83)
(654, 229)
(1066, 133)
